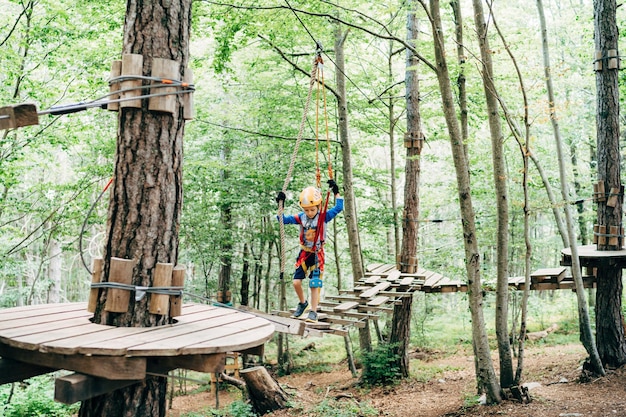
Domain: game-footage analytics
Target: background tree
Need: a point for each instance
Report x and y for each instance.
(500, 182)
(485, 374)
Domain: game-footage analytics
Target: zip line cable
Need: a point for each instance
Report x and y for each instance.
(102, 101)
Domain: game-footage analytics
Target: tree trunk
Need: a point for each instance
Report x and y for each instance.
(54, 271)
(610, 332)
(401, 321)
(224, 294)
(354, 242)
(245, 275)
(146, 197)
(485, 373)
(263, 391)
(500, 181)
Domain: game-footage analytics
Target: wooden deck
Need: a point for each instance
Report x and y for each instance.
(43, 338)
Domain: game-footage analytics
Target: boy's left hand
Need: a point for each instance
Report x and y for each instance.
(333, 186)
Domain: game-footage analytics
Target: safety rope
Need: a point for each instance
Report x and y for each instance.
(281, 208)
(317, 73)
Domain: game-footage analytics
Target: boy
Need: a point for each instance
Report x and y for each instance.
(310, 260)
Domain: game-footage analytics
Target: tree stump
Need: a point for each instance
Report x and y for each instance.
(264, 392)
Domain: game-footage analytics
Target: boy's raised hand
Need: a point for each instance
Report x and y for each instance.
(333, 186)
(281, 197)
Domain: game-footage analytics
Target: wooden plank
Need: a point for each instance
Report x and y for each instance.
(42, 311)
(72, 345)
(318, 325)
(14, 371)
(37, 340)
(110, 368)
(405, 282)
(373, 291)
(203, 341)
(380, 300)
(119, 341)
(338, 332)
(548, 274)
(383, 269)
(371, 267)
(372, 279)
(281, 324)
(343, 298)
(365, 307)
(73, 388)
(345, 322)
(352, 314)
(393, 275)
(348, 305)
(41, 328)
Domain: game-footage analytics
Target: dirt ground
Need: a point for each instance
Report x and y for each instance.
(552, 375)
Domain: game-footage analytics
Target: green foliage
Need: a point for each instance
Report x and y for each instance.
(334, 408)
(33, 398)
(235, 409)
(424, 372)
(380, 365)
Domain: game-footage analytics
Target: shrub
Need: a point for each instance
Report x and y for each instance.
(380, 366)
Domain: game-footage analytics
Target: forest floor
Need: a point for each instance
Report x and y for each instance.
(552, 373)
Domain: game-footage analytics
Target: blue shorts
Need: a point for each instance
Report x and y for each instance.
(306, 267)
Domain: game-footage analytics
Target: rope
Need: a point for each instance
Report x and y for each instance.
(84, 226)
(292, 163)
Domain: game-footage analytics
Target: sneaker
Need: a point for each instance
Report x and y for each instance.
(312, 317)
(300, 309)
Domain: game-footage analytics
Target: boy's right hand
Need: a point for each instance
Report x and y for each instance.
(281, 197)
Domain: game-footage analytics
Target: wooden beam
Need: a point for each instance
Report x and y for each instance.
(210, 363)
(73, 388)
(111, 367)
(14, 371)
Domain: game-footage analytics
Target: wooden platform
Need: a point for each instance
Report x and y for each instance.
(591, 257)
(43, 338)
(383, 286)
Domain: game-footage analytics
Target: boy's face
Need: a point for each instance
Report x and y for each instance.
(310, 211)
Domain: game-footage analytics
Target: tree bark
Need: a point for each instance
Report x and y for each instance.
(226, 244)
(354, 242)
(263, 391)
(146, 197)
(500, 181)
(54, 270)
(485, 373)
(609, 330)
(244, 291)
(401, 321)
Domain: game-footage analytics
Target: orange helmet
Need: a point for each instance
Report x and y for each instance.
(310, 197)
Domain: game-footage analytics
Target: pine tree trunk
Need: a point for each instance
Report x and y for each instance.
(609, 329)
(401, 321)
(146, 197)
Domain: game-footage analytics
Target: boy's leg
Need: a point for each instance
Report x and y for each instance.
(297, 286)
(315, 298)
(298, 276)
